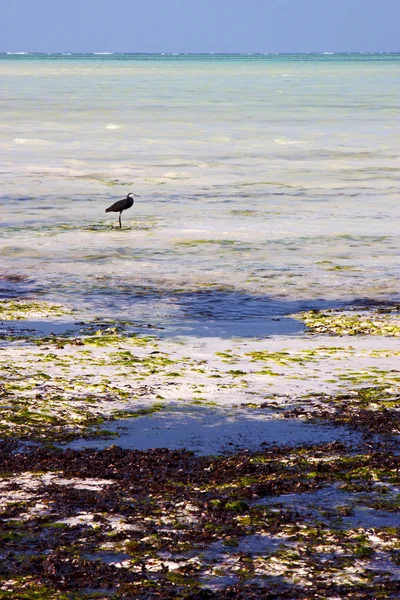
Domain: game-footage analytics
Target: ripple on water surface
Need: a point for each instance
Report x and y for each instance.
(276, 197)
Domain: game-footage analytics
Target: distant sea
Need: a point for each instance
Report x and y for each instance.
(268, 183)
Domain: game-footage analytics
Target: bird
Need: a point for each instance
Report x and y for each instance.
(121, 205)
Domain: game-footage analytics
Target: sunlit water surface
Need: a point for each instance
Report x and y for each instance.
(268, 184)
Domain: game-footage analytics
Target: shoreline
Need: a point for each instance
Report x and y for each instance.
(229, 507)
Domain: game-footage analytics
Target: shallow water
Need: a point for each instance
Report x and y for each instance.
(208, 431)
(267, 184)
(317, 503)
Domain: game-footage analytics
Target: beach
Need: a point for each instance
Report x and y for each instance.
(203, 403)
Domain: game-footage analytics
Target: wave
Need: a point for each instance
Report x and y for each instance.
(284, 141)
(31, 141)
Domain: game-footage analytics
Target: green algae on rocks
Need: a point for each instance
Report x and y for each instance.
(361, 323)
(17, 309)
(167, 524)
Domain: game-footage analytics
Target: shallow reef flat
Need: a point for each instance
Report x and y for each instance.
(85, 380)
(282, 522)
(205, 402)
(138, 464)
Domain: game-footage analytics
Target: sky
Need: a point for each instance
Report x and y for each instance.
(199, 26)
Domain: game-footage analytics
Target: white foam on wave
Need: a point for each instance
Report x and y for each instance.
(284, 141)
(17, 52)
(100, 53)
(112, 126)
(30, 141)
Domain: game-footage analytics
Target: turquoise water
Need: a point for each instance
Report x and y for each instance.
(267, 183)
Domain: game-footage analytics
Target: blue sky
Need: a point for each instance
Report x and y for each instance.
(200, 25)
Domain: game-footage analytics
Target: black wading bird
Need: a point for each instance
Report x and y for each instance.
(121, 205)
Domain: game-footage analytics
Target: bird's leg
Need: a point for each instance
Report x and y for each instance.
(120, 226)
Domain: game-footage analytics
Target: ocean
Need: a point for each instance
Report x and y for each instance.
(268, 184)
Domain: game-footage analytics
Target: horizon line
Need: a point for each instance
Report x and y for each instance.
(92, 53)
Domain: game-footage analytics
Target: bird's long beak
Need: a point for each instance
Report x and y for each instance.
(136, 195)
